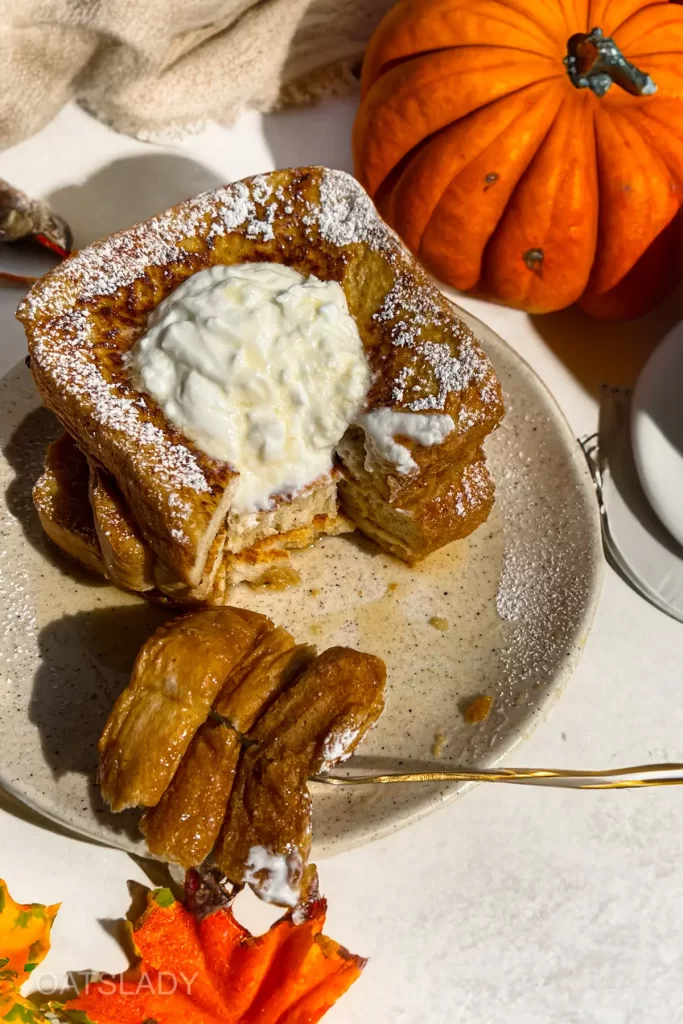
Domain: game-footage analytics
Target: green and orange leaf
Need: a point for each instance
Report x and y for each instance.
(190, 969)
(24, 943)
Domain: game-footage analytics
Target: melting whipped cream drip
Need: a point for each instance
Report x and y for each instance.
(383, 425)
(277, 876)
(262, 368)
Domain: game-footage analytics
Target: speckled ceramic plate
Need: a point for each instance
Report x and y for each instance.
(518, 597)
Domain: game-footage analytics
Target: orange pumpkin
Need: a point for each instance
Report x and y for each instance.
(531, 150)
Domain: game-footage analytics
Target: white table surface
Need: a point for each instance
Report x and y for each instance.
(511, 905)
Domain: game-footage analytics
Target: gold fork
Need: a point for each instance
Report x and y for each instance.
(567, 778)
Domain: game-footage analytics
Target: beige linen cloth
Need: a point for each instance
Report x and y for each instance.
(154, 68)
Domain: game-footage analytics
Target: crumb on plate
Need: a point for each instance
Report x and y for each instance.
(478, 709)
(440, 741)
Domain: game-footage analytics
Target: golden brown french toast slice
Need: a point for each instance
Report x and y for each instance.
(450, 506)
(318, 721)
(61, 498)
(129, 560)
(261, 677)
(176, 678)
(86, 516)
(82, 319)
(183, 827)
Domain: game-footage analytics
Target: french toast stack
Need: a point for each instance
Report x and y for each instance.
(127, 494)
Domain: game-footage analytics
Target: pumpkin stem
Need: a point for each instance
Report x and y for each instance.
(595, 62)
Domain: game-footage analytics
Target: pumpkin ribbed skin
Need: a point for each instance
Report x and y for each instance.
(503, 176)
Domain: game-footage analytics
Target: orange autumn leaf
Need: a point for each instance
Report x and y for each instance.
(24, 943)
(213, 971)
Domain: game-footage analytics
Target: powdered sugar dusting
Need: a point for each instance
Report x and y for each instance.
(261, 188)
(411, 311)
(542, 590)
(347, 214)
(121, 259)
(452, 373)
(80, 376)
(470, 492)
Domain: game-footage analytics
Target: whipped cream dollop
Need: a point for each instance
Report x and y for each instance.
(383, 425)
(262, 368)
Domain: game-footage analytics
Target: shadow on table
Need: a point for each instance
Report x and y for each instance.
(616, 452)
(129, 190)
(157, 872)
(134, 188)
(612, 352)
(311, 136)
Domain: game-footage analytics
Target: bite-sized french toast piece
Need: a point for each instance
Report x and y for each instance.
(184, 825)
(261, 677)
(61, 498)
(450, 506)
(182, 828)
(129, 560)
(83, 318)
(318, 721)
(176, 678)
